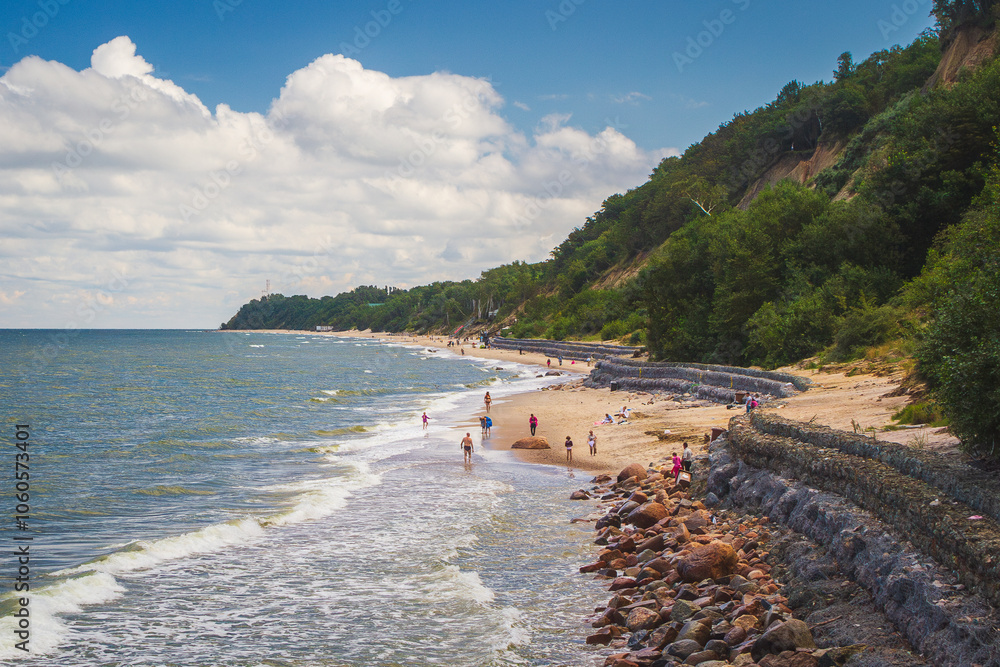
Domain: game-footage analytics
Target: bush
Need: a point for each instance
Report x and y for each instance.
(960, 356)
(927, 412)
(862, 328)
(613, 330)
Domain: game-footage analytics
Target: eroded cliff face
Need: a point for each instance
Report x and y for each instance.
(969, 48)
(796, 167)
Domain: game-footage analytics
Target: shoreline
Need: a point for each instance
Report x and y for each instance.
(658, 425)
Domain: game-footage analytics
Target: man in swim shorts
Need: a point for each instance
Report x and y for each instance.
(467, 447)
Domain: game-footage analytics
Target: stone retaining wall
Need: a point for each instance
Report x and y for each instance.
(626, 374)
(953, 476)
(800, 383)
(940, 527)
(922, 598)
(574, 350)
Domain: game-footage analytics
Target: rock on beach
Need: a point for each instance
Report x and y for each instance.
(531, 442)
(686, 586)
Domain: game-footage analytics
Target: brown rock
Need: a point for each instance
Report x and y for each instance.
(789, 659)
(781, 637)
(602, 636)
(580, 495)
(736, 636)
(632, 470)
(531, 442)
(747, 622)
(647, 514)
(622, 582)
(709, 561)
(641, 618)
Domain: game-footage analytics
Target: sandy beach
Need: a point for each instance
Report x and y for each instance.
(659, 426)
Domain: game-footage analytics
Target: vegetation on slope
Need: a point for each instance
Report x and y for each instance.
(898, 239)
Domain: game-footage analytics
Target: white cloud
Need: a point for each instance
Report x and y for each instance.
(123, 191)
(630, 98)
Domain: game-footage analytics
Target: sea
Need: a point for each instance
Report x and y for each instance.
(247, 498)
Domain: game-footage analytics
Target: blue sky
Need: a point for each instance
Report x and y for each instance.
(565, 103)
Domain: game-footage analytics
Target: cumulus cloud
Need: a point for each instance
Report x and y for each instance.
(128, 203)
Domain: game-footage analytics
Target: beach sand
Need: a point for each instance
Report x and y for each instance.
(659, 426)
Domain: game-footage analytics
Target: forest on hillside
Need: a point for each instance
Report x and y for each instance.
(894, 241)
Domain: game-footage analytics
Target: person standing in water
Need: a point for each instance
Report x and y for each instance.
(467, 447)
(426, 419)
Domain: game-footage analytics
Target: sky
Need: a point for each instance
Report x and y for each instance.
(160, 162)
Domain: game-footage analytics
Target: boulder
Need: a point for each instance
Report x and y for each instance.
(531, 442)
(696, 630)
(682, 648)
(789, 659)
(641, 618)
(683, 610)
(647, 514)
(580, 495)
(632, 470)
(710, 561)
(780, 637)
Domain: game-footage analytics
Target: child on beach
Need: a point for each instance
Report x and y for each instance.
(426, 419)
(676, 470)
(592, 442)
(569, 449)
(482, 425)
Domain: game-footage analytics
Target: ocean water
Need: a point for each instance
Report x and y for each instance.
(205, 498)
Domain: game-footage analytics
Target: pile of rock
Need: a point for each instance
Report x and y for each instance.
(690, 587)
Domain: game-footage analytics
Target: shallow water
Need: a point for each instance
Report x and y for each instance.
(201, 498)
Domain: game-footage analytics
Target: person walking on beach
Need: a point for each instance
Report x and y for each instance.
(686, 456)
(533, 423)
(487, 400)
(489, 425)
(548, 363)
(592, 442)
(426, 419)
(569, 450)
(467, 447)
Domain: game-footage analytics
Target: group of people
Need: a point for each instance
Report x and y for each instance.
(591, 443)
(682, 462)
